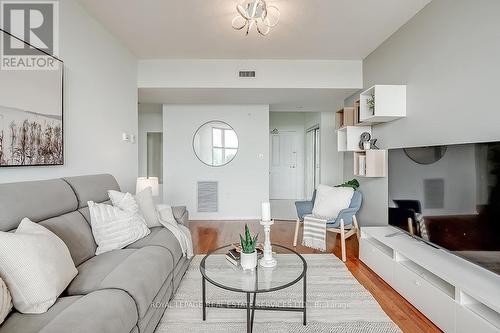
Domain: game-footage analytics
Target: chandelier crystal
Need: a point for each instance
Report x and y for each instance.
(256, 13)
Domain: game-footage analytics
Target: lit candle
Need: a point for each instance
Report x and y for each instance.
(266, 211)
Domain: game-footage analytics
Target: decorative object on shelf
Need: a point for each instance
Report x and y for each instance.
(256, 13)
(426, 155)
(364, 141)
(371, 104)
(248, 252)
(373, 144)
(350, 183)
(268, 259)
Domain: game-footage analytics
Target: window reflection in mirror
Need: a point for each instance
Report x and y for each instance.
(215, 143)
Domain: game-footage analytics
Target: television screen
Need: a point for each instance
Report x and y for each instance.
(449, 196)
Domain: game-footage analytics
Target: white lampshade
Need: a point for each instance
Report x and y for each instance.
(145, 182)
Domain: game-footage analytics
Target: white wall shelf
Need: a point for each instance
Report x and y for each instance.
(348, 137)
(370, 163)
(458, 296)
(390, 104)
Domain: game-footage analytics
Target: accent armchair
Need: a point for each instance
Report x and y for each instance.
(346, 223)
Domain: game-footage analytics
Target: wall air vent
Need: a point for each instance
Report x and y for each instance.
(208, 197)
(247, 74)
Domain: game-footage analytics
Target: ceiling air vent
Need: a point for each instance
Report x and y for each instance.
(247, 74)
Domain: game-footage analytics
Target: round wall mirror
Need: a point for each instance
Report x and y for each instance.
(215, 143)
(426, 155)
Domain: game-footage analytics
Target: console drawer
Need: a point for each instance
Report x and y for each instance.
(431, 301)
(468, 321)
(379, 260)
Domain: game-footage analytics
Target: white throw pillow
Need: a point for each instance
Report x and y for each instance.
(331, 200)
(36, 266)
(147, 207)
(5, 301)
(114, 228)
(124, 201)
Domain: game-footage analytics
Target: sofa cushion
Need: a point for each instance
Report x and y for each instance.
(139, 272)
(76, 233)
(38, 200)
(110, 311)
(162, 237)
(92, 188)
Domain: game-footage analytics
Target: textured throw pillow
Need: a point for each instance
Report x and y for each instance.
(5, 301)
(114, 228)
(36, 265)
(124, 201)
(147, 207)
(331, 200)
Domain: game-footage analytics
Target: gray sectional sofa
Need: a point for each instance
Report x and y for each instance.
(118, 291)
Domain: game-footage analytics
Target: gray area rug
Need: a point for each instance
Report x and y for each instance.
(336, 303)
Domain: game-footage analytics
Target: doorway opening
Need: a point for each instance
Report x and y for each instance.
(294, 166)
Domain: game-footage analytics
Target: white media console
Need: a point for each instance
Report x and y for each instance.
(455, 294)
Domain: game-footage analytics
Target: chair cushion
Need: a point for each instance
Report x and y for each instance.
(111, 311)
(163, 237)
(139, 272)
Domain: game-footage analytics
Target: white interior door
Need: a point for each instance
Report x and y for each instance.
(283, 168)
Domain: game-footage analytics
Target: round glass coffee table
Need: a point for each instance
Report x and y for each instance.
(218, 271)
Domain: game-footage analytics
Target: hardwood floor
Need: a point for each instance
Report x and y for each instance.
(208, 235)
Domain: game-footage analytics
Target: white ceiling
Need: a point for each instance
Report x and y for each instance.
(201, 29)
(280, 100)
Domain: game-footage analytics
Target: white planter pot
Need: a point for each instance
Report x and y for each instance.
(249, 260)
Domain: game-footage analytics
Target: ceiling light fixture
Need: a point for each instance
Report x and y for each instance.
(256, 13)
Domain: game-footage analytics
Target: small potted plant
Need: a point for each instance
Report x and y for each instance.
(248, 252)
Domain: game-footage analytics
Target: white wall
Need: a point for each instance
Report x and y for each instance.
(100, 102)
(331, 160)
(243, 183)
(198, 73)
(448, 56)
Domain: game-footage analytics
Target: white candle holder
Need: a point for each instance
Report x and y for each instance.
(268, 259)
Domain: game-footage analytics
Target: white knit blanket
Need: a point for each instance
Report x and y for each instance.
(314, 233)
(181, 232)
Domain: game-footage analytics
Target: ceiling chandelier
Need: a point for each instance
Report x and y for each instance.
(256, 13)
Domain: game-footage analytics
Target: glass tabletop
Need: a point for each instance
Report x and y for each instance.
(291, 267)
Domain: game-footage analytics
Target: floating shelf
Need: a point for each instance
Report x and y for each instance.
(390, 104)
(348, 137)
(370, 163)
(345, 117)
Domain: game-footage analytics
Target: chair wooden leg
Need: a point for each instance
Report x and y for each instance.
(297, 224)
(342, 240)
(356, 225)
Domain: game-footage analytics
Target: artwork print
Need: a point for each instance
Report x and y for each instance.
(31, 117)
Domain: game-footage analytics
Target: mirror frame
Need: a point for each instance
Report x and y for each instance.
(194, 149)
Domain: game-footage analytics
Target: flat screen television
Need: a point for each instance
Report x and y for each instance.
(449, 196)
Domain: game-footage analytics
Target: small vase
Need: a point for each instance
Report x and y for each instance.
(249, 260)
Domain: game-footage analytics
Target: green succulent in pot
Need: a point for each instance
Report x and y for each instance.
(249, 243)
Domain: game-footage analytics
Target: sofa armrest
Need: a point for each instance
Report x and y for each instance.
(181, 215)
